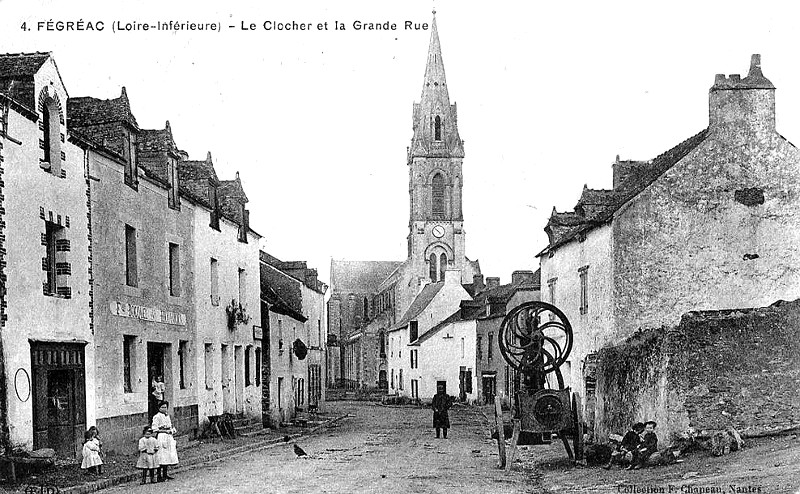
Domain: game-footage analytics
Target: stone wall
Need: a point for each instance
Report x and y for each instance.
(715, 369)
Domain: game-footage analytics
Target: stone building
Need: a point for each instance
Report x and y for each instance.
(47, 354)
(710, 224)
(367, 298)
(491, 303)
(143, 271)
(227, 353)
(293, 321)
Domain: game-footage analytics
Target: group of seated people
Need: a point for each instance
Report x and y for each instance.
(636, 446)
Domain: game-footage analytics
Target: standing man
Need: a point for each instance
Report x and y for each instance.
(440, 404)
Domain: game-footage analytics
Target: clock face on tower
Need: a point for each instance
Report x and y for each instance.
(438, 231)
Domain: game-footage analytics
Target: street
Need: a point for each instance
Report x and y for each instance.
(377, 449)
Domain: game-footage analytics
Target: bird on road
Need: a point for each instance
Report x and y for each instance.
(299, 451)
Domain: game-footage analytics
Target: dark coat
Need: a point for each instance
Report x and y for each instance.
(630, 441)
(649, 443)
(440, 404)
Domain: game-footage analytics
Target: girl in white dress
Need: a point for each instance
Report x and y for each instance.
(167, 450)
(91, 453)
(148, 461)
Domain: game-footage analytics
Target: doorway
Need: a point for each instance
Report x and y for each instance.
(238, 379)
(489, 389)
(59, 397)
(280, 400)
(158, 367)
(228, 399)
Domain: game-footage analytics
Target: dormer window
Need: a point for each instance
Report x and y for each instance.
(131, 170)
(437, 128)
(51, 136)
(173, 199)
(213, 200)
(244, 225)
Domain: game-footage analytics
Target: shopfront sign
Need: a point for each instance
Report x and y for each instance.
(124, 309)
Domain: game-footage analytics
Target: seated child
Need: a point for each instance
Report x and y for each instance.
(648, 446)
(628, 445)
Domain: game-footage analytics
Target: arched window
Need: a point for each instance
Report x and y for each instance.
(383, 347)
(437, 125)
(433, 268)
(442, 265)
(51, 127)
(437, 203)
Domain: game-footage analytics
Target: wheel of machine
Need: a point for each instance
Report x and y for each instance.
(535, 336)
(577, 417)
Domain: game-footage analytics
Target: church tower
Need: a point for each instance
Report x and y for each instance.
(436, 231)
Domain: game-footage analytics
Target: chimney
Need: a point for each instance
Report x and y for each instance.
(452, 277)
(522, 278)
(311, 278)
(741, 107)
(477, 283)
(492, 282)
(495, 305)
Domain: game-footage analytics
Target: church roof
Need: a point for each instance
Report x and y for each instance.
(421, 301)
(565, 227)
(360, 276)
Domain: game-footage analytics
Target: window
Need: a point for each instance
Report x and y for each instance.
(51, 136)
(174, 270)
(247, 379)
(413, 330)
(52, 234)
(280, 335)
(583, 273)
(319, 333)
(258, 367)
(462, 347)
(400, 380)
(414, 359)
(414, 388)
(392, 382)
(490, 349)
(437, 203)
(442, 265)
(479, 348)
(128, 362)
(173, 199)
(131, 171)
(209, 364)
(242, 286)
(183, 347)
(433, 267)
(214, 282)
(437, 127)
(366, 309)
(244, 225)
(383, 345)
(131, 276)
(213, 200)
(551, 288)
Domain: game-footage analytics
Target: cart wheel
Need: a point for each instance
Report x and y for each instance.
(577, 417)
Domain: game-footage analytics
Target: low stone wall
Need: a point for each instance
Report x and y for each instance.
(716, 369)
(121, 433)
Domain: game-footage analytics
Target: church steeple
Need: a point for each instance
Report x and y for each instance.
(435, 119)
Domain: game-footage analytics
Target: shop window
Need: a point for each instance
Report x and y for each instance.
(182, 356)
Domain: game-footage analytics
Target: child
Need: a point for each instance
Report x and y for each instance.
(148, 460)
(91, 454)
(99, 441)
(628, 445)
(648, 446)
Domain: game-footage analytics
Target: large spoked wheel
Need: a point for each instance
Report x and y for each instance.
(535, 336)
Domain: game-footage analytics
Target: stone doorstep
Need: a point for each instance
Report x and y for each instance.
(194, 462)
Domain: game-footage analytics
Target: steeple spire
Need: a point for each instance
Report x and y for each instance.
(435, 119)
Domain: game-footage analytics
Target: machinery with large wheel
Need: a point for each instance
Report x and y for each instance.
(536, 339)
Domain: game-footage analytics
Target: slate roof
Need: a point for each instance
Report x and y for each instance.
(598, 206)
(360, 276)
(16, 76)
(281, 291)
(86, 111)
(421, 301)
(196, 177)
(455, 317)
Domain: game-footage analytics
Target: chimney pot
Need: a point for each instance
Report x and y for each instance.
(719, 79)
(521, 277)
(492, 282)
(477, 283)
(735, 78)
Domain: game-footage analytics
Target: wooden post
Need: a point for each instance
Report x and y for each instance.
(501, 438)
(512, 452)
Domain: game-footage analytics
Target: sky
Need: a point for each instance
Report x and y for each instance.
(317, 122)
